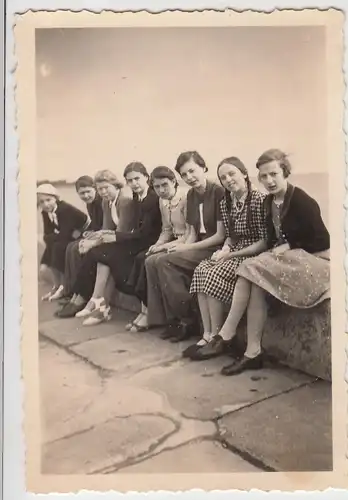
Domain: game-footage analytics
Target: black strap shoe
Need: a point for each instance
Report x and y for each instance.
(243, 365)
(216, 347)
(192, 349)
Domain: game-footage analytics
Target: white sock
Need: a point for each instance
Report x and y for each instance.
(205, 339)
(253, 351)
(225, 336)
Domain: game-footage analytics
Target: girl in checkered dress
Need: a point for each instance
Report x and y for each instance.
(242, 213)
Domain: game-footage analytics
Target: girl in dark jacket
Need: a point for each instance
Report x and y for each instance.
(62, 224)
(294, 269)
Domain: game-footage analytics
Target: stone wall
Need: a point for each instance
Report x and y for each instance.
(299, 338)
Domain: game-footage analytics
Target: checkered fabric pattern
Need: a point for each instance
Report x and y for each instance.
(218, 279)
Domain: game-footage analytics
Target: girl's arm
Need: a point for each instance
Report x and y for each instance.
(190, 235)
(254, 249)
(227, 243)
(212, 241)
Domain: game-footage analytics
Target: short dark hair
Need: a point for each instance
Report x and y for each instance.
(163, 173)
(188, 156)
(275, 155)
(85, 181)
(135, 166)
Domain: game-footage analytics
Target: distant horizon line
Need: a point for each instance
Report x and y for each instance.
(67, 182)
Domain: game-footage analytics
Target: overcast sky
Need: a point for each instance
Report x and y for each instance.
(106, 97)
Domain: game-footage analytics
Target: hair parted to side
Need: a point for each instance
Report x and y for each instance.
(275, 155)
(188, 156)
(236, 162)
(108, 176)
(135, 166)
(85, 181)
(163, 172)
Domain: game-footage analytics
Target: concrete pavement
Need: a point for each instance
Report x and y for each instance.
(118, 401)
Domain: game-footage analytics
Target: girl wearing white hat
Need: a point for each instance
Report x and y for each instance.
(62, 223)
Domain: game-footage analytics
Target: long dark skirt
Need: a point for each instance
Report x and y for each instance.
(118, 256)
(137, 280)
(54, 255)
(73, 262)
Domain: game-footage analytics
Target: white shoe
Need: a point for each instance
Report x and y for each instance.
(58, 294)
(99, 316)
(90, 307)
(48, 295)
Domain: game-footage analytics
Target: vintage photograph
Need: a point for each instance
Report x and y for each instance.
(182, 241)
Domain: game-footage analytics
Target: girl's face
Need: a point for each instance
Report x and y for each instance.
(107, 191)
(87, 194)
(193, 174)
(232, 178)
(165, 188)
(271, 176)
(137, 182)
(47, 202)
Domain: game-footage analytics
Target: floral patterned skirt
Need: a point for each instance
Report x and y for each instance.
(296, 278)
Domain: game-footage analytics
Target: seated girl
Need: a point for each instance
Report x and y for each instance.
(116, 255)
(243, 216)
(86, 190)
(173, 305)
(110, 209)
(172, 202)
(294, 270)
(62, 224)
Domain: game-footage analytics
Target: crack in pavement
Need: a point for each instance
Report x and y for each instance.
(245, 455)
(266, 398)
(103, 372)
(106, 372)
(115, 417)
(160, 446)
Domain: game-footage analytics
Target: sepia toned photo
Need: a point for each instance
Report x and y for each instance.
(182, 234)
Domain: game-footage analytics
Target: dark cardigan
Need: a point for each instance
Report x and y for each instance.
(301, 222)
(70, 220)
(147, 223)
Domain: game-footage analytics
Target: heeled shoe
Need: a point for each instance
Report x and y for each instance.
(50, 294)
(58, 294)
(101, 315)
(139, 328)
(134, 324)
(91, 306)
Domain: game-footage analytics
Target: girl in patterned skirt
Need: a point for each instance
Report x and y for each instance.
(295, 269)
(214, 279)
